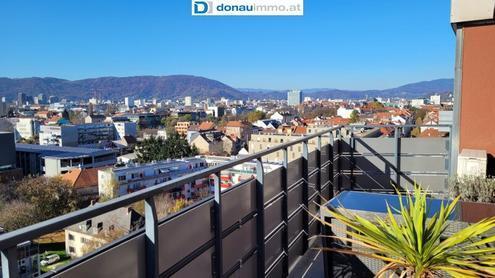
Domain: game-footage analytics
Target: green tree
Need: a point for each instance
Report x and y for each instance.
(155, 149)
(411, 243)
(17, 214)
(255, 116)
(169, 123)
(354, 116)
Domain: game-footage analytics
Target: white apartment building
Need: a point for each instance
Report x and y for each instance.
(435, 100)
(118, 181)
(26, 128)
(418, 102)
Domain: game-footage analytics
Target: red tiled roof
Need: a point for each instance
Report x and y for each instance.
(206, 126)
(82, 178)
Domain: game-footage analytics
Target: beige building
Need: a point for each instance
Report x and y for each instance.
(209, 143)
(182, 127)
(263, 141)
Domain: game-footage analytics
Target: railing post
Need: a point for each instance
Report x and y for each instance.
(305, 185)
(351, 158)
(260, 218)
(151, 229)
(331, 156)
(285, 213)
(9, 263)
(339, 157)
(217, 225)
(318, 166)
(397, 135)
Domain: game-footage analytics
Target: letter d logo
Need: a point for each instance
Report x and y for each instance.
(200, 7)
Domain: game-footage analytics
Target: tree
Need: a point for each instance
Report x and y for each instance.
(155, 149)
(33, 200)
(169, 123)
(417, 130)
(17, 214)
(255, 116)
(51, 196)
(413, 245)
(354, 116)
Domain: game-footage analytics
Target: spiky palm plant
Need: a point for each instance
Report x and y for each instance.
(412, 245)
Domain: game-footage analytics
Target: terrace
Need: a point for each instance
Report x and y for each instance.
(259, 227)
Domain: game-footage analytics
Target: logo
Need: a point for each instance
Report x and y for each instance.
(202, 7)
(248, 7)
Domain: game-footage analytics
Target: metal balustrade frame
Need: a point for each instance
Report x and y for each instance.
(312, 192)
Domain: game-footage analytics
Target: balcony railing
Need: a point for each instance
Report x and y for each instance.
(257, 228)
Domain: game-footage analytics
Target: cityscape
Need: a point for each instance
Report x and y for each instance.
(187, 176)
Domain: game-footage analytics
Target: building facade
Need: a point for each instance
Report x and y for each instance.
(294, 97)
(38, 160)
(118, 181)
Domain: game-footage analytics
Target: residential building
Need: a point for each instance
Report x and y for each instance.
(93, 233)
(294, 97)
(418, 102)
(265, 140)
(237, 129)
(84, 181)
(473, 24)
(94, 119)
(182, 127)
(118, 181)
(38, 160)
(435, 99)
(282, 117)
(209, 143)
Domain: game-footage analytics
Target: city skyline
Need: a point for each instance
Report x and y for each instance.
(325, 48)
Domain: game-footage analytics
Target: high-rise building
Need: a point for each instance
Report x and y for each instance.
(128, 102)
(4, 108)
(188, 101)
(294, 97)
(21, 99)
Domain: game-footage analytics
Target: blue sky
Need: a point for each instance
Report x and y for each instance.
(348, 44)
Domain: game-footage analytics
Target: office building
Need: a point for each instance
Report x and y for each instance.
(77, 135)
(4, 108)
(54, 160)
(7, 157)
(294, 97)
(128, 102)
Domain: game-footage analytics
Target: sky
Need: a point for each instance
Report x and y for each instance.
(346, 44)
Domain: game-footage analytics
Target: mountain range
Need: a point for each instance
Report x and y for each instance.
(179, 86)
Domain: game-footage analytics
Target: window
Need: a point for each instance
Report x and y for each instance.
(72, 250)
(100, 226)
(121, 178)
(71, 237)
(269, 140)
(84, 240)
(281, 140)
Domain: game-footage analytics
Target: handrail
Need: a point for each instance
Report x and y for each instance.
(11, 239)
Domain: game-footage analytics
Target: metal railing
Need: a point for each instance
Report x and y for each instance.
(307, 187)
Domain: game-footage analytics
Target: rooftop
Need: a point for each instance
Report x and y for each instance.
(61, 152)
